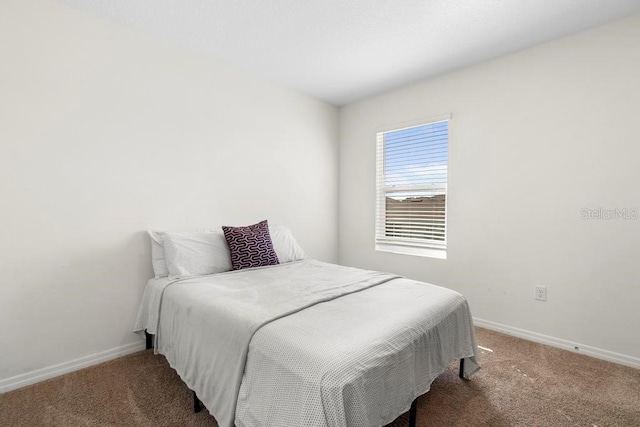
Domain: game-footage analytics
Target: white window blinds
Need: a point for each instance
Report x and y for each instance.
(411, 185)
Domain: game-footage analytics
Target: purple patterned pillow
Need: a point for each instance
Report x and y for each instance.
(250, 246)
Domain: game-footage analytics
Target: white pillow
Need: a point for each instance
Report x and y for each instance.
(285, 245)
(158, 259)
(196, 253)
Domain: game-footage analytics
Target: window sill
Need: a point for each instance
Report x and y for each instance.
(412, 250)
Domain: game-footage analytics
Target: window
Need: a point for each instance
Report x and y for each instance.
(411, 211)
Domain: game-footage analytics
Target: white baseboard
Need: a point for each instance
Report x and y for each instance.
(38, 375)
(573, 347)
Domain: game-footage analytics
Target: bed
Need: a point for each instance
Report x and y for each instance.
(307, 343)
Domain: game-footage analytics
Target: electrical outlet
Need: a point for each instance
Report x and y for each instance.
(541, 293)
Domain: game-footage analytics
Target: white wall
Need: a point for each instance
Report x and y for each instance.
(105, 133)
(536, 136)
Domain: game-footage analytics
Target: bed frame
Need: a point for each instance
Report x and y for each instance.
(197, 405)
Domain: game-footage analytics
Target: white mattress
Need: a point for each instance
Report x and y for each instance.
(358, 358)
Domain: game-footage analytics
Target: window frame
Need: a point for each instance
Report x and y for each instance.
(409, 246)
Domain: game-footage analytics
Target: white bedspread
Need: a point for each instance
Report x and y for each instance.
(149, 309)
(364, 346)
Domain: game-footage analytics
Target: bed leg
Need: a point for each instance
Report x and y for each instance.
(149, 339)
(461, 373)
(197, 406)
(413, 413)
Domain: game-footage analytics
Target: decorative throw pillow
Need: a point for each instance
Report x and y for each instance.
(250, 246)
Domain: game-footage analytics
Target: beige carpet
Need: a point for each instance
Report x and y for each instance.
(521, 384)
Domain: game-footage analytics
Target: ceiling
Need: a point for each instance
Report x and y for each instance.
(342, 51)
